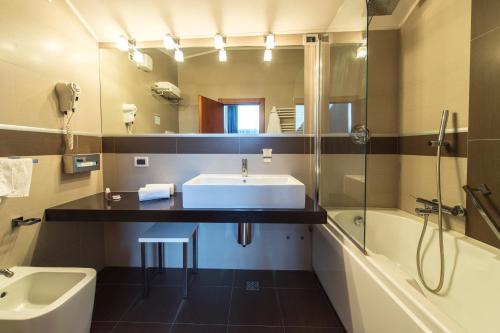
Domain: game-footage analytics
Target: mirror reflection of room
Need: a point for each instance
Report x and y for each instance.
(239, 90)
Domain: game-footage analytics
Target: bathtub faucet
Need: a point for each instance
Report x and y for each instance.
(432, 207)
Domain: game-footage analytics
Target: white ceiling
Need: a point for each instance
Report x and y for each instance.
(147, 20)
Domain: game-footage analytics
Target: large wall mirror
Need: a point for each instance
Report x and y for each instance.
(243, 91)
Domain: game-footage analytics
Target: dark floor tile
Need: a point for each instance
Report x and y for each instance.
(205, 305)
(265, 278)
(212, 277)
(119, 275)
(102, 327)
(255, 308)
(314, 330)
(307, 307)
(185, 328)
(296, 279)
(111, 301)
(160, 306)
(254, 329)
(125, 327)
(169, 277)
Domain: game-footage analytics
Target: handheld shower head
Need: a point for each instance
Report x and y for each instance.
(442, 128)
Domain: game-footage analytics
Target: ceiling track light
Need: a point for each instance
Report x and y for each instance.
(268, 55)
(222, 55)
(219, 42)
(270, 42)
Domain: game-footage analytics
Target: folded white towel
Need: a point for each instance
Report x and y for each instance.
(171, 187)
(152, 193)
(15, 177)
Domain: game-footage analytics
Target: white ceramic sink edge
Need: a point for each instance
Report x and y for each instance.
(86, 278)
(209, 191)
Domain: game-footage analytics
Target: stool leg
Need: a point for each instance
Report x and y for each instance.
(195, 251)
(160, 257)
(145, 282)
(184, 268)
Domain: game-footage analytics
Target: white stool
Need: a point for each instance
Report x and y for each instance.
(162, 233)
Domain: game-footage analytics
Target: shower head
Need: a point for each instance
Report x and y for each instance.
(381, 7)
(442, 127)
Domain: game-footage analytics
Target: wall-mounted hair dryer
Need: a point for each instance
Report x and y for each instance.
(129, 114)
(68, 94)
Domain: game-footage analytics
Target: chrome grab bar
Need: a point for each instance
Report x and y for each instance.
(483, 189)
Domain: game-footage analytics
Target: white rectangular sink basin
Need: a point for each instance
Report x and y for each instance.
(44, 299)
(234, 191)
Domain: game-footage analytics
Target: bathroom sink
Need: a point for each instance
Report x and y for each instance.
(235, 191)
(56, 300)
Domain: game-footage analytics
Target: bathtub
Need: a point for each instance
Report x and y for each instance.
(379, 291)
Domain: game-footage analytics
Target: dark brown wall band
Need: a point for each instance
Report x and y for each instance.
(26, 143)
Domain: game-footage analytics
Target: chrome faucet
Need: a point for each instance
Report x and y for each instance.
(432, 207)
(244, 167)
(6, 272)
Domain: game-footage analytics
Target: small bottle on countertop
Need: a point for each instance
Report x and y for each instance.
(107, 194)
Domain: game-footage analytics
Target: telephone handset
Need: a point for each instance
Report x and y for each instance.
(68, 94)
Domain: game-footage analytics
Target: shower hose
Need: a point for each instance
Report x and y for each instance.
(440, 227)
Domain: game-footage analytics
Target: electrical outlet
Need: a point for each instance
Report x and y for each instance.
(141, 161)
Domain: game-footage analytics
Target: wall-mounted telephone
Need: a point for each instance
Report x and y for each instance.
(68, 94)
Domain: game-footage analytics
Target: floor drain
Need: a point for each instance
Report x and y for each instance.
(253, 286)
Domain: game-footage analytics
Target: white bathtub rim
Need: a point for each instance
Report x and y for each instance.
(389, 284)
(354, 252)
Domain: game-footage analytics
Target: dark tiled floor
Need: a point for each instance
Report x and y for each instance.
(287, 302)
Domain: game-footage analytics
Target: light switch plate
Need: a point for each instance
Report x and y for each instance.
(141, 161)
(157, 119)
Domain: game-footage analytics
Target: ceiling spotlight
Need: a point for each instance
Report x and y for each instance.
(122, 43)
(268, 55)
(222, 55)
(361, 52)
(270, 41)
(138, 57)
(219, 42)
(179, 56)
(169, 42)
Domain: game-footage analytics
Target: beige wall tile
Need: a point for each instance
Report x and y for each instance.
(382, 189)
(418, 179)
(44, 43)
(434, 65)
(383, 80)
(53, 243)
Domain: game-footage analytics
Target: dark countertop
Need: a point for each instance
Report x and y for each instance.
(94, 208)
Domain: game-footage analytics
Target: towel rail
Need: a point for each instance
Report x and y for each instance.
(483, 189)
(35, 160)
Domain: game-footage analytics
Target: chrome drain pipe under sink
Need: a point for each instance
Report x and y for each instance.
(244, 234)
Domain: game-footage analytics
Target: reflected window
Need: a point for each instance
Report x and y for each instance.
(242, 119)
(299, 117)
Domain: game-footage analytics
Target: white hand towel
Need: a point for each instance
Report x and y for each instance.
(274, 126)
(171, 187)
(15, 177)
(151, 193)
